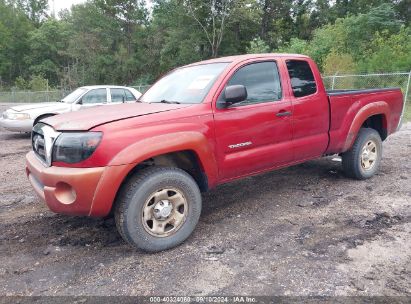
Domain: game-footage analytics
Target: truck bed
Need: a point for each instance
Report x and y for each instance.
(346, 105)
(359, 91)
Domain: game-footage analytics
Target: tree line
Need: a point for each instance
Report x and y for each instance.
(133, 42)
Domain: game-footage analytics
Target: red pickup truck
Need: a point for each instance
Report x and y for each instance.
(199, 126)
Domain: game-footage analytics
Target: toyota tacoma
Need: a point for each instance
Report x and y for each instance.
(199, 126)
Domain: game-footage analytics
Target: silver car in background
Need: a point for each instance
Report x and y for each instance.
(22, 118)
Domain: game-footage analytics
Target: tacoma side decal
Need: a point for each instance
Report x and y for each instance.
(247, 143)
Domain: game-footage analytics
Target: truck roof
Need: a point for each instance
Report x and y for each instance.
(239, 58)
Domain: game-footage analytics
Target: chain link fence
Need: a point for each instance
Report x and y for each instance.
(31, 97)
(43, 96)
(369, 81)
(373, 81)
(334, 82)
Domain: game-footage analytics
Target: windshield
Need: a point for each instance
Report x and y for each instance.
(73, 96)
(185, 85)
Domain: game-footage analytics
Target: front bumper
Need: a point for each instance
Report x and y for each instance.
(17, 125)
(65, 190)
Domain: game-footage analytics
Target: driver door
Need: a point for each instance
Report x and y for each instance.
(254, 135)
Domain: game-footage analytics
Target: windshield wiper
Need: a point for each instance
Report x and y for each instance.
(168, 101)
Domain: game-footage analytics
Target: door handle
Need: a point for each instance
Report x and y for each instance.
(283, 113)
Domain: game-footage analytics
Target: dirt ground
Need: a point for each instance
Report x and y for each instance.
(304, 230)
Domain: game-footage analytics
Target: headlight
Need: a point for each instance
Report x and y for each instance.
(75, 147)
(16, 116)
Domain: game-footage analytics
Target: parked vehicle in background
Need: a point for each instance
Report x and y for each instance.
(199, 126)
(22, 118)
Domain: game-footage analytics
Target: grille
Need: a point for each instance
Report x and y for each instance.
(42, 141)
(39, 147)
(38, 143)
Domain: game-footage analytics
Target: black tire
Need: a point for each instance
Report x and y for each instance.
(352, 159)
(128, 209)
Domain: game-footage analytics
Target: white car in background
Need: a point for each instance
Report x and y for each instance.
(22, 118)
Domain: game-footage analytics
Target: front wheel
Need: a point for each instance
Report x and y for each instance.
(158, 208)
(363, 159)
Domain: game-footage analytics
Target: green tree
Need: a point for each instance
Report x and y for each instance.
(21, 84)
(296, 46)
(38, 83)
(171, 23)
(103, 45)
(258, 46)
(338, 63)
(119, 41)
(48, 46)
(212, 19)
(36, 10)
(352, 35)
(396, 48)
(14, 31)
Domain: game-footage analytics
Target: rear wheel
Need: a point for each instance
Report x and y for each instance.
(363, 159)
(158, 208)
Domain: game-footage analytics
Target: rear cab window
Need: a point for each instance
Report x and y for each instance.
(302, 78)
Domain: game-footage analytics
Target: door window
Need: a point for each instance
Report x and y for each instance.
(121, 95)
(117, 95)
(261, 80)
(129, 95)
(302, 78)
(95, 96)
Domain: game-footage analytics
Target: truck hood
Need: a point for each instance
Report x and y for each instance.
(36, 106)
(87, 119)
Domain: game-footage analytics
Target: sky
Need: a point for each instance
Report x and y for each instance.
(62, 4)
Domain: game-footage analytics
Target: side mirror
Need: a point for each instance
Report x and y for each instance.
(80, 102)
(235, 93)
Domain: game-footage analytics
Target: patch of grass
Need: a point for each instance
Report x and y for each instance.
(407, 112)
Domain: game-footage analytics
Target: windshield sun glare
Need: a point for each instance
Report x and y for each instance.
(185, 85)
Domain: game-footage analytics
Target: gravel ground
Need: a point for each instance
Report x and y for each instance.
(304, 230)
